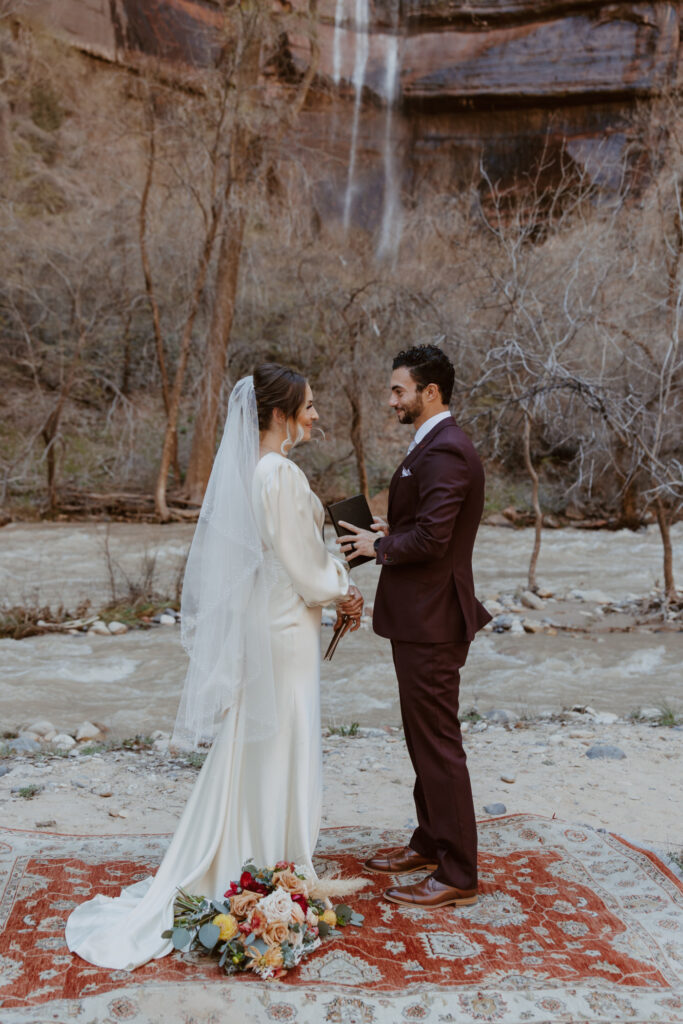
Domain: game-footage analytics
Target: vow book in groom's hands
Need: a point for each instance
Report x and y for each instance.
(357, 512)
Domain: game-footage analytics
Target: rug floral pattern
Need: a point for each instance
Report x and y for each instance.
(572, 925)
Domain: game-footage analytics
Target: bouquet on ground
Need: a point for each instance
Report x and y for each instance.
(266, 923)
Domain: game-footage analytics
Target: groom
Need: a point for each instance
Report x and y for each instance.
(425, 605)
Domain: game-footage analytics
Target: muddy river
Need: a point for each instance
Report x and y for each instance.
(131, 683)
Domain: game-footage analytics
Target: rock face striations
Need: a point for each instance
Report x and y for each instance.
(421, 94)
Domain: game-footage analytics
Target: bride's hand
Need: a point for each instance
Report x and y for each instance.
(351, 606)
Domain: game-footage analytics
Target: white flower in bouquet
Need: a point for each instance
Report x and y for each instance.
(276, 906)
(308, 873)
(311, 918)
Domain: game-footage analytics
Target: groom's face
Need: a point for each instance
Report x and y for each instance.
(405, 398)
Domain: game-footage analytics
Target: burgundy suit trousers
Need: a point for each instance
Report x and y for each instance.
(429, 682)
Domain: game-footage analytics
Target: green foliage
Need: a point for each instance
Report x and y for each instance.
(344, 730)
(28, 792)
(471, 716)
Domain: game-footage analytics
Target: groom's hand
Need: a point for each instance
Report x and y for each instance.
(359, 542)
(380, 525)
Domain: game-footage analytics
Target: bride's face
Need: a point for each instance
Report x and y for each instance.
(306, 416)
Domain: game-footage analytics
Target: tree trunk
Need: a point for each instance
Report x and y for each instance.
(538, 514)
(149, 287)
(171, 435)
(206, 423)
(357, 441)
(664, 523)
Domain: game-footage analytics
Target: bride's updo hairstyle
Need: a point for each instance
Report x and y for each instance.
(277, 387)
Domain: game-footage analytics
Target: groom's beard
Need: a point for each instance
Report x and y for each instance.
(409, 413)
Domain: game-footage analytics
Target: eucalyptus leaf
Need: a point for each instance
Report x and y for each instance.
(209, 935)
(261, 946)
(181, 938)
(219, 907)
(168, 934)
(324, 929)
(357, 919)
(249, 939)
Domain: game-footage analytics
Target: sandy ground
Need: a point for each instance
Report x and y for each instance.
(368, 780)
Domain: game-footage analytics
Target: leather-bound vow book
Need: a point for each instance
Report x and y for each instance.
(357, 512)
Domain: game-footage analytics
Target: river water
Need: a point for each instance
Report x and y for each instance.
(131, 683)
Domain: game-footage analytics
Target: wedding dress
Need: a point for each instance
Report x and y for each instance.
(257, 801)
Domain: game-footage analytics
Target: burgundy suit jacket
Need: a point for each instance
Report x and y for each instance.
(426, 590)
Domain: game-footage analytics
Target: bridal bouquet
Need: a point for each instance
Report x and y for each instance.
(266, 923)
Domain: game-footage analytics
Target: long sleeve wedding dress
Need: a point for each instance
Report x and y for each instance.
(252, 800)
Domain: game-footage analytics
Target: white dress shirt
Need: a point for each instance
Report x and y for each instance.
(425, 428)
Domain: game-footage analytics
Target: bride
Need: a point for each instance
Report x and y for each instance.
(257, 576)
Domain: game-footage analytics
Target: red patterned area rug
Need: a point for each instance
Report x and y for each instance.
(572, 925)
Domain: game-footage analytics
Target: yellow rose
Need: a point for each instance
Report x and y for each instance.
(329, 917)
(227, 925)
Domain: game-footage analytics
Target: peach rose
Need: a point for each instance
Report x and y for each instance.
(298, 914)
(242, 903)
(275, 932)
(290, 882)
(273, 957)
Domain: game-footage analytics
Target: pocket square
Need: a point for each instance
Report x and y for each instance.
(405, 472)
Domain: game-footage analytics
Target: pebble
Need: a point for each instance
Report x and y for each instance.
(517, 629)
(99, 628)
(63, 741)
(46, 824)
(104, 792)
(532, 626)
(23, 744)
(501, 623)
(118, 628)
(500, 715)
(605, 718)
(508, 777)
(113, 813)
(495, 808)
(650, 714)
(42, 728)
(605, 751)
(494, 607)
(167, 620)
(531, 600)
(87, 731)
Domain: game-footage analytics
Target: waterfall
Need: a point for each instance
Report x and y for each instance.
(358, 81)
(390, 230)
(336, 42)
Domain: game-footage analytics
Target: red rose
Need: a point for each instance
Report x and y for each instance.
(247, 881)
(299, 898)
(233, 890)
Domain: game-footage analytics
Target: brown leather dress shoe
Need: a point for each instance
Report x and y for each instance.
(431, 895)
(399, 862)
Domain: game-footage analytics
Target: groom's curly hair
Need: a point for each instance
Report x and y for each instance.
(428, 364)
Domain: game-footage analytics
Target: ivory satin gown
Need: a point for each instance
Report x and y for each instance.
(256, 800)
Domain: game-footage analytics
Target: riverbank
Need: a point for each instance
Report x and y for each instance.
(580, 766)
